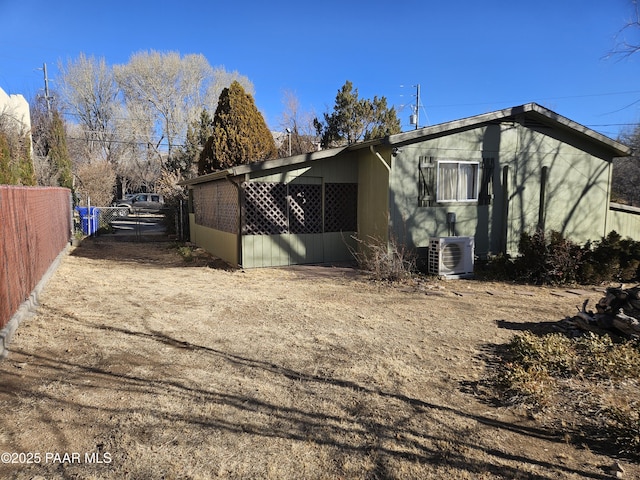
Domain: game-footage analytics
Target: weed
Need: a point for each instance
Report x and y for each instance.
(623, 424)
(386, 261)
(186, 252)
(553, 370)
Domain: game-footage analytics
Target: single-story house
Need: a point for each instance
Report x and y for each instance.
(488, 178)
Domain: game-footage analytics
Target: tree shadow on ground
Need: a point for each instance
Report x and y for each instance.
(392, 437)
(156, 254)
(537, 328)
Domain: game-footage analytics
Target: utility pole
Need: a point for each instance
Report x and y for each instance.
(414, 118)
(417, 105)
(46, 89)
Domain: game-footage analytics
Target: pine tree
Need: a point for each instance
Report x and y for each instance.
(58, 152)
(185, 161)
(25, 163)
(240, 134)
(354, 119)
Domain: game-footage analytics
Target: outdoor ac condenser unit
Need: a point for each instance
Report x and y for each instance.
(451, 257)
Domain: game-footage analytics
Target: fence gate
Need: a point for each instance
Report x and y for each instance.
(121, 222)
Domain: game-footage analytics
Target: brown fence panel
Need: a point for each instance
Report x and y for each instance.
(35, 226)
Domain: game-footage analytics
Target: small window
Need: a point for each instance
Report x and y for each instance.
(457, 181)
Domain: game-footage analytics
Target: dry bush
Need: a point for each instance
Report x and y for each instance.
(96, 181)
(386, 261)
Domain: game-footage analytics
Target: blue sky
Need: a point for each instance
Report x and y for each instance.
(469, 57)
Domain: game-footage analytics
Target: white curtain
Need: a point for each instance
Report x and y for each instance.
(457, 181)
(468, 177)
(447, 181)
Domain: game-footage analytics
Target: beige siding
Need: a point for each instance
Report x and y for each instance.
(625, 221)
(223, 245)
(373, 196)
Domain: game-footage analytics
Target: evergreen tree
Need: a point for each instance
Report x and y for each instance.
(27, 172)
(51, 153)
(16, 166)
(354, 119)
(240, 134)
(186, 160)
(58, 153)
(626, 171)
(6, 173)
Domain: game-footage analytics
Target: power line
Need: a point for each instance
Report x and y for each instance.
(540, 99)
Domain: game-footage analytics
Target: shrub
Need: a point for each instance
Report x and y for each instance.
(386, 261)
(554, 260)
(623, 424)
(615, 258)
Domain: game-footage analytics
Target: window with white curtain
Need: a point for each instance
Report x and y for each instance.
(457, 181)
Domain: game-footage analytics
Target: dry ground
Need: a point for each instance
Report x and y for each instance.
(163, 369)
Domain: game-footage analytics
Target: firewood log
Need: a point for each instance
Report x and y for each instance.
(627, 324)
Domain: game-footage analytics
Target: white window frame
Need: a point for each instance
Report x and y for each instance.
(461, 195)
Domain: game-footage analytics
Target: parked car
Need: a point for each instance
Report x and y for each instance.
(140, 202)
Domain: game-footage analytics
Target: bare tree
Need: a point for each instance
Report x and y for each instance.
(134, 115)
(300, 132)
(89, 95)
(624, 46)
(172, 90)
(626, 171)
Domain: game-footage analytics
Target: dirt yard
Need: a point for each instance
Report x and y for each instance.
(142, 366)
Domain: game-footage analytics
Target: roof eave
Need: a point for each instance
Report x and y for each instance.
(615, 147)
(619, 149)
(263, 165)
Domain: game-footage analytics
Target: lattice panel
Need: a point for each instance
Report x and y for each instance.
(265, 209)
(341, 207)
(204, 204)
(305, 208)
(216, 206)
(229, 209)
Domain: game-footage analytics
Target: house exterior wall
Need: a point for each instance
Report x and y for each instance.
(290, 249)
(373, 195)
(573, 200)
(624, 220)
(16, 108)
(223, 245)
(263, 250)
(576, 192)
(214, 219)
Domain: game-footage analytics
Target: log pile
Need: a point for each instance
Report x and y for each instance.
(618, 313)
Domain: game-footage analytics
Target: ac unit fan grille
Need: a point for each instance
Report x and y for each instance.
(451, 255)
